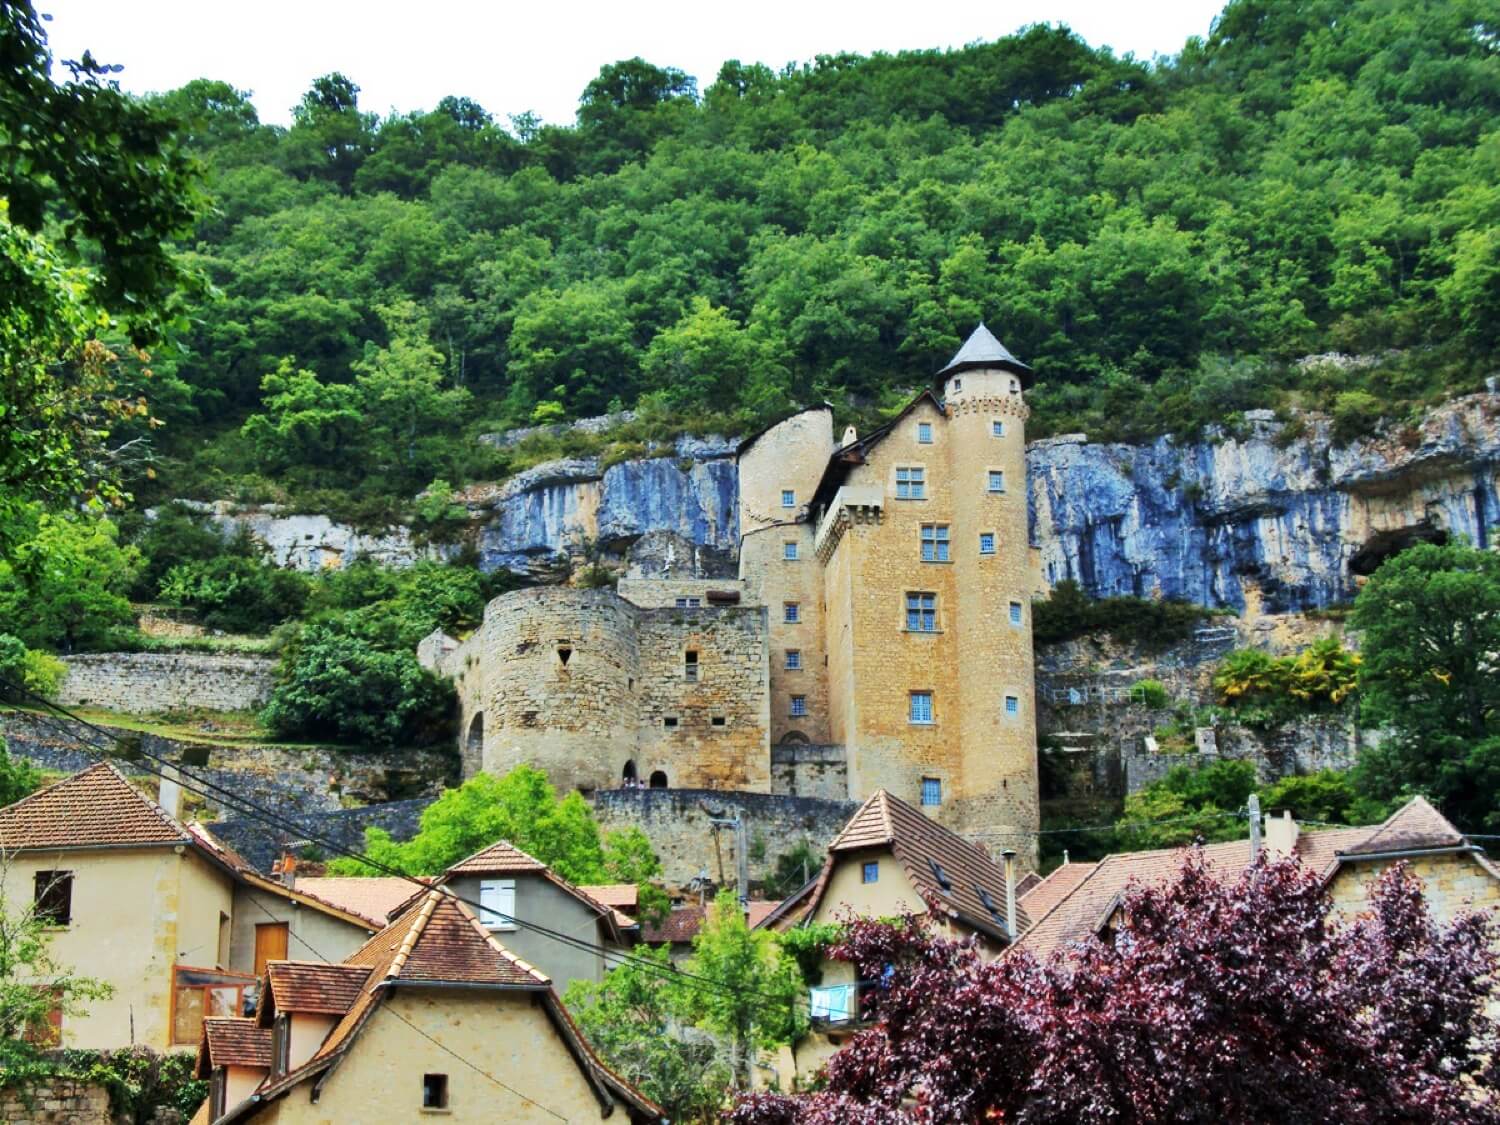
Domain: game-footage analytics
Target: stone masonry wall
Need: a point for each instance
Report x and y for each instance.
(143, 682)
(677, 823)
(56, 1101)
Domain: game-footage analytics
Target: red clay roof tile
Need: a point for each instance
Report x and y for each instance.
(94, 808)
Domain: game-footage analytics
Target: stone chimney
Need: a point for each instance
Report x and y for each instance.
(1281, 835)
(169, 793)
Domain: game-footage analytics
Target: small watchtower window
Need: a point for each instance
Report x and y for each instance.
(1017, 614)
(958, 385)
(789, 550)
(658, 779)
(919, 708)
(793, 659)
(996, 481)
(924, 433)
(932, 791)
(997, 428)
(690, 666)
(871, 872)
(791, 613)
(670, 722)
(798, 706)
(911, 482)
(1012, 707)
(53, 897)
(434, 1091)
(788, 498)
(718, 720)
(564, 652)
(986, 542)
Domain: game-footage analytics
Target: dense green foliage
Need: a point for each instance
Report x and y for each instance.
(1267, 691)
(523, 809)
(1431, 624)
(63, 582)
(18, 777)
(1159, 241)
(1068, 613)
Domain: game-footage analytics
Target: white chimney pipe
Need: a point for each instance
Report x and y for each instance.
(1254, 827)
(1010, 893)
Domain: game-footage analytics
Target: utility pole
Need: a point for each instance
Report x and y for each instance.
(1254, 827)
(741, 852)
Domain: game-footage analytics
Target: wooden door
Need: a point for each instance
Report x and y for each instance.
(270, 944)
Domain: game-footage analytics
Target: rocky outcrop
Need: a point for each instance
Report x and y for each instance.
(1266, 518)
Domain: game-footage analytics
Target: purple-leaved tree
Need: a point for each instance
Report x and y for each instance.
(1245, 1001)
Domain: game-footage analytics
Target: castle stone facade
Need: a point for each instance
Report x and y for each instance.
(878, 634)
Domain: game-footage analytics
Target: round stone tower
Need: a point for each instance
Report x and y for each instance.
(982, 390)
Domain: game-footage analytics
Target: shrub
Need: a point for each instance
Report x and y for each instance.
(1355, 415)
(236, 594)
(1151, 693)
(32, 669)
(1068, 613)
(1268, 691)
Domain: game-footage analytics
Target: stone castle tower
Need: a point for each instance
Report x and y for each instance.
(895, 569)
(878, 634)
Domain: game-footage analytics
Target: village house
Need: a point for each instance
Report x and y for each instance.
(173, 920)
(890, 860)
(433, 1015)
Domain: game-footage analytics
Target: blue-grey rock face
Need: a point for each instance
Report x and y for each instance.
(1257, 519)
(698, 500)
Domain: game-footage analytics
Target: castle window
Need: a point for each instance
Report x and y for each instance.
(1017, 614)
(921, 613)
(1015, 387)
(718, 720)
(1012, 707)
(934, 542)
(791, 612)
(958, 385)
(690, 666)
(924, 433)
(788, 498)
(986, 542)
(793, 659)
(871, 872)
(689, 603)
(798, 708)
(919, 707)
(997, 481)
(789, 551)
(932, 791)
(911, 482)
(670, 722)
(564, 652)
(997, 428)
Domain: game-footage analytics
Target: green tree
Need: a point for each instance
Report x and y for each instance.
(18, 777)
(706, 359)
(329, 138)
(64, 584)
(235, 592)
(1187, 804)
(759, 1001)
(629, 858)
(1430, 618)
(307, 421)
(521, 808)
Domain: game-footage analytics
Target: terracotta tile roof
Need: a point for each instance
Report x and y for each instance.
(94, 808)
(233, 1042)
(616, 896)
(500, 858)
(375, 897)
(965, 883)
(1415, 825)
(314, 986)
(1026, 882)
(1046, 893)
(683, 924)
(1080, 913)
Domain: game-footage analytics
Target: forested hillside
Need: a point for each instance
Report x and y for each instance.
(1158, 240)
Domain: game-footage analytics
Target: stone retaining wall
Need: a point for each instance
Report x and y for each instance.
(56, 1101)
(146, 682)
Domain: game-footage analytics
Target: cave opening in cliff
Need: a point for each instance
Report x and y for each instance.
(1384, 545)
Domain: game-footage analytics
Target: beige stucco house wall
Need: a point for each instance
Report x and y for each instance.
(312, 935)
(540, 901)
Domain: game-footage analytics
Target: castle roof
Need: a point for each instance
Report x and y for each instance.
(981, 350)
(955, 878)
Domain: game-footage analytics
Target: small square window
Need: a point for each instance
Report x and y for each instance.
(689, 603)
(911, 483)
(690, 666)
(434, 1091)
(718, 720)
(788, 498)
(997, 428)
(670, 722)
(789, 551)
(799, 706)
(986, 542)
(997, 481)
(871, 872)
(921, 613)
(1012, 707)
(1017, 614)
(793, 659)
(958, 385)
(924, 433)
(932, 791)
(920, 707)
(53, 897)
(934, 542)
(791, 613)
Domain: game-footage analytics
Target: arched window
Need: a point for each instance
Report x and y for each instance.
(658, 779)
(629, 775)
(474, 744)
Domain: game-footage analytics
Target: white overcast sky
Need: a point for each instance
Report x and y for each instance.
(538, 55)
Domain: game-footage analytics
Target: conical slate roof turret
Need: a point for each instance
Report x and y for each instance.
(981, 349)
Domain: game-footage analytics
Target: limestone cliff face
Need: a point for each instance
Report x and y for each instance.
(1262, 520)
